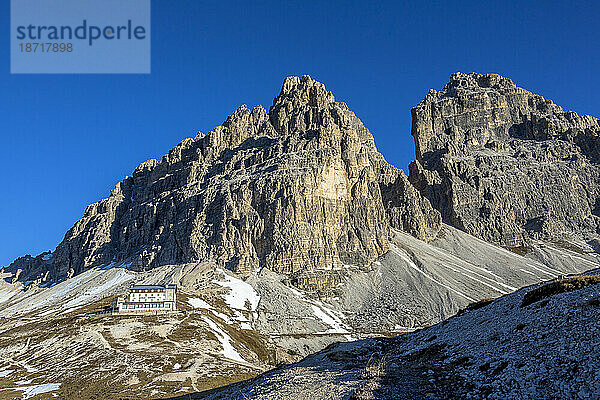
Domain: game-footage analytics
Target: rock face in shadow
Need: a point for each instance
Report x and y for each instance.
(504, 164)
(298, 189)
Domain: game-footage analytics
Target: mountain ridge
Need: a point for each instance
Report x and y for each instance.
(305, 128)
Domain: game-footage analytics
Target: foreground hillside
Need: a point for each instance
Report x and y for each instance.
(536, 343)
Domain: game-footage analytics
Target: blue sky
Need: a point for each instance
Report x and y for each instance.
(65, 140)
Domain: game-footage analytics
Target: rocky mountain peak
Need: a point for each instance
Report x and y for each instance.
(476, 81)
(304, 90)
(505, 164)
(461, 84)
(299, 190)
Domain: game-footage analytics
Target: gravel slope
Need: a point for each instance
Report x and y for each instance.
(546, 350)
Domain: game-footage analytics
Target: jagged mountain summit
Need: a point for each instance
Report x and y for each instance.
(301, 188)
(287, 231)
(507, 165)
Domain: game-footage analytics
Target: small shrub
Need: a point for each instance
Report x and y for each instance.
(372, 376)
(544, 303)
(594, 302)
(500, 367)
(476, 305)
(431, 338)
(466, 360)
(559, 286)
(479, 304)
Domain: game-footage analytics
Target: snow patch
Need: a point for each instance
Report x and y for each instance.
(34, 390)
(324, 313)
(222, 316)
(6, 372)
(239, 293)
(199, 303)
(245, 325)
(296, 292)
(228, 350)
(528, 272)
(57, 292)
(328, 316)
(30, 369)
(238, 316)
(543, 271)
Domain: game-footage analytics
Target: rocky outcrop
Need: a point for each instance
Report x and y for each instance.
(36, 270)
(407, 210)
(301, 188)
(504, 164)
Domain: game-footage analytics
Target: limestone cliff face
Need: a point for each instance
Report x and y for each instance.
(296, 189)
(504, 164)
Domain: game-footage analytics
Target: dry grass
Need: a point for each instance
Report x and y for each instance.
(520, 250)
(205, 383)
(559, 286)
(371, 376)
(191, 329)
(253, 342)
(570, 246)
(102, 374)
(11, 394)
